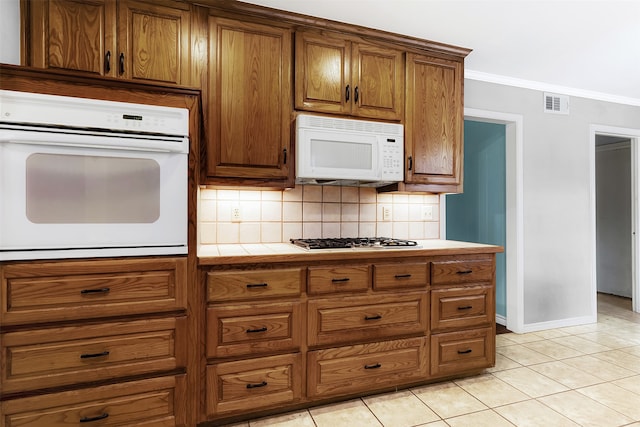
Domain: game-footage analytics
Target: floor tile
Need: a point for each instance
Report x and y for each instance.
(433, 424)
(448, 400)
(631, 383)
(608, 340)
(503, 363)
(523, 355)
(523, 338)
(503, 340)
(291, 419)
(584, 410)
(553, 349)
(599, 368)
(581, 344)
(479, 419)
(491, 391)
(530, 382)
(401, 409)
(616, 398)
(620, 358)
(566, 374)
(353, 413)
(532, 413)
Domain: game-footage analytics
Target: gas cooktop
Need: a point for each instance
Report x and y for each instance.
(355, 242)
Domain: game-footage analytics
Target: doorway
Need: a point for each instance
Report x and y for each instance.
(615, 245)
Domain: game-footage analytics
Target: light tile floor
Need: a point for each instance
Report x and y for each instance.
(585, 375)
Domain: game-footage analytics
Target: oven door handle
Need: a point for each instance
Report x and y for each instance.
(166, 144)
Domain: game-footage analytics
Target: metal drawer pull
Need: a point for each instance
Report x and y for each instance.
(376, 366)
(344, 279)
(376, 317)
(262, 384)
(92, 355)
(95, 291)
(90, 419)
(464, 351)
(263, 329)
(402, 276)
(464, 272)
(257, 285)
(465, 307)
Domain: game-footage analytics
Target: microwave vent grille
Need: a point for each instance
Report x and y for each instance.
(350, 125)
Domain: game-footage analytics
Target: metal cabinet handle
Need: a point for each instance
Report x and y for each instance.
(95, 291)
(263, 329)
(402, 276)
(122, 63)
(257, 285)
(92, 355)
(375, 317)
(107, 62)
(465, 307)
(356, 94)
(464, 272)
(464, 351)
(284, 156)
(342, 280)
(376, 366)
(347, 93)
(410, 162)
(90, 419)
(262, 384)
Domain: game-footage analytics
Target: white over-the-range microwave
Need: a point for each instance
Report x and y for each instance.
(335, 151)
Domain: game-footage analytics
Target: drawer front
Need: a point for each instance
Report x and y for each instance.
(354, 278)
(462, 307)
(457, 352)
(398, 276)
(81, 354)
(244, 285)
(156, 402)
(254, 328)
(462, 271)
(252, 384)
(351, 319)
(44, 292)
(344, 370)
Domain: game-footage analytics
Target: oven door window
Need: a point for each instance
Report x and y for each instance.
(81, 189)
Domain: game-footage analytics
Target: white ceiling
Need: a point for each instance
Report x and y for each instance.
(585, 48)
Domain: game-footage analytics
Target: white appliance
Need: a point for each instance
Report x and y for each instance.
(84, 178)
(332, 151)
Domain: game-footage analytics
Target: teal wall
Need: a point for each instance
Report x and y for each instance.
(479, 214)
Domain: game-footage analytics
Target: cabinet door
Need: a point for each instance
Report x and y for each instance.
(153, 42)
(378, 82)
(323, 74)
(434, 123)
(73, 35)
(249, 101)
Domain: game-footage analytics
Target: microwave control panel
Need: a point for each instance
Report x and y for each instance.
(392, 158)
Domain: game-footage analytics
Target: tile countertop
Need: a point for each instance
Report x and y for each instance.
(287, 252)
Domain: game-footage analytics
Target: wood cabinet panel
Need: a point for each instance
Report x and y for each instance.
(253, 384)
(332, 321)
(250, 68)
(462, 307)
(462, 271)
(254, 328)
(400, 275)
(39, 292)
(238, 285)
(342, 278)
(457, 352)
(47, 358)
(162, 401)
(434, 123)
(344, 370)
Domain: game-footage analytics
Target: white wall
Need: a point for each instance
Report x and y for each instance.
(558, 261)
(10, 31)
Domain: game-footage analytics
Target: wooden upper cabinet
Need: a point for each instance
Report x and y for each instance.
(337, 75)
(153, 42)
(249, 102)
(434, 123)
(124, 39)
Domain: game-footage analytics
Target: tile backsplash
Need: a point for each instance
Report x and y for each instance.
(310, 211)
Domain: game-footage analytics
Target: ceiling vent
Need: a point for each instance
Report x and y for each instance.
(557, 104)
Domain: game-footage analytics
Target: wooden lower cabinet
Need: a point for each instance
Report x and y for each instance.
(343, 370)
(156, 402)
(253, 384)
(457, 352)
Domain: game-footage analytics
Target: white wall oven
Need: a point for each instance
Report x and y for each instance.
(84, 178)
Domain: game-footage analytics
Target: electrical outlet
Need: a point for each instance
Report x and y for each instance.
(386, 213)
(235, 214)
(427, 213)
